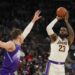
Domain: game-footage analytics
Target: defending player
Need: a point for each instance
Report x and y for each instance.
(59, 47)
(13, 47)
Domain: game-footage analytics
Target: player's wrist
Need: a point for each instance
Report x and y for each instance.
(58, 18)
(66, 20)
(33, 21)
(55, 20)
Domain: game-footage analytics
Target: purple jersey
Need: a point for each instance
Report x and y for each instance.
(11, 60)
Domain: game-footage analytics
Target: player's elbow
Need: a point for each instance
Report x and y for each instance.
(49, 30)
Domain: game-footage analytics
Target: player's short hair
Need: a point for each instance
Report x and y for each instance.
(15, 33)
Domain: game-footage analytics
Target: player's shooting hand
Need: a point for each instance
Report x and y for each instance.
(58, 18)
(36, 16)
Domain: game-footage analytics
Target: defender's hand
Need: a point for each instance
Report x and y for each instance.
(36, 16)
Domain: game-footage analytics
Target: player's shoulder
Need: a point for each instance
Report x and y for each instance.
(65, 39)
(10, 43)
(61, 38)
(58, 38)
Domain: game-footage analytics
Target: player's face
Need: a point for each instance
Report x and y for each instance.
(63, 32)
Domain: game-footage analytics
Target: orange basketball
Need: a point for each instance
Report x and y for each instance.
(61, 12)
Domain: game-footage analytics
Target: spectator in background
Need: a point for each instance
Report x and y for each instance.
(71, 57)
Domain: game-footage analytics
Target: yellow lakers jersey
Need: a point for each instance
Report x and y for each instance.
(59, 50)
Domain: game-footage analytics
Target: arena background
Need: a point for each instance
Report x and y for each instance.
(17, 14)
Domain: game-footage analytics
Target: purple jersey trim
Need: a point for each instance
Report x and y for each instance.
(47, 68)
(11, 60)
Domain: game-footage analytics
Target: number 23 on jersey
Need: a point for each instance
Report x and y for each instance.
(62, 48)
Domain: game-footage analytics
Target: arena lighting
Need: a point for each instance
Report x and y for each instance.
(74, 54)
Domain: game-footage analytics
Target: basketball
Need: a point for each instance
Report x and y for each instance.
(61, 12)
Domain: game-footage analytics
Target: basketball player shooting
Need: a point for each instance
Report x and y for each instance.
(13, 47)
(59, 46)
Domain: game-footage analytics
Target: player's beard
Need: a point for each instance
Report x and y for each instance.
(63, 36)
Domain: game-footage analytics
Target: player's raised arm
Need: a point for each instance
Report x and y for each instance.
(31, 24)
(50, 31)
(70, 30)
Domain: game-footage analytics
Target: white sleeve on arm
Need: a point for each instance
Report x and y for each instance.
(27, 30)
(50, 26)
